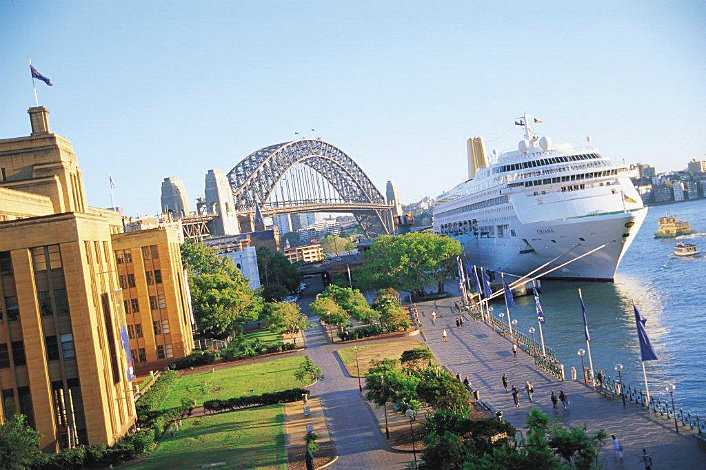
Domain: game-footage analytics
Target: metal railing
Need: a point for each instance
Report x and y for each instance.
(211, 344)
(657, 405)
(547, 362)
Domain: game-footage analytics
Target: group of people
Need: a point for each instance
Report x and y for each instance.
(529, 389)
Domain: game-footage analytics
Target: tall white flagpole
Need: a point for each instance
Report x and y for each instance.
(539, 323)
(34, 86)
(647, 389)
(588, 345)
(507, 308)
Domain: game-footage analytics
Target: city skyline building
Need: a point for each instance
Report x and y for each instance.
(173, 197)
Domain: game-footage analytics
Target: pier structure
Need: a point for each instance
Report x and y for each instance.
(477, 351)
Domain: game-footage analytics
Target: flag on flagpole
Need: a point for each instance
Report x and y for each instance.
(112, 181)
(478, 287)
(585, 322)
(538, 306)
(39, 76)
(508, 295)
(487, 290)
(646, 351)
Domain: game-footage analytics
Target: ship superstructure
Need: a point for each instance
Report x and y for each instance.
(542, 201)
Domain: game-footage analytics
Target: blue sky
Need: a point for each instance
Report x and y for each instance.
(153, 89)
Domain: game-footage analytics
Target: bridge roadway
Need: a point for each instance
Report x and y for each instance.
(477, 351)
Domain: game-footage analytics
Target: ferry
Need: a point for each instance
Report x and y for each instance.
(685, 249)
(541, 202)
(670, 227)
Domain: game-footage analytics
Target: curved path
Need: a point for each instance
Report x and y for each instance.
(355, 433)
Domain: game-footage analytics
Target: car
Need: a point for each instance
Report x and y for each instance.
(291, 299)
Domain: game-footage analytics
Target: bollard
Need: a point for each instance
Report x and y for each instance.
(499, 414)
(476, 395)
(563, 373)
(573, 373)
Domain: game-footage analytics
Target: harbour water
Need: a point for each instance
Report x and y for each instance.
(670, 291)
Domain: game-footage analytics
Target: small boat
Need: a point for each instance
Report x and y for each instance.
(670, 227)
(685, 249)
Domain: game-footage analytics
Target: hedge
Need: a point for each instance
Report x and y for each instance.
(231, 353)
(285, 396)
(362, 332)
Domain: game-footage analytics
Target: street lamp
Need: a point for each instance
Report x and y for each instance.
(387, 429)
(410, 414)
(670, 388)
(619, 370)
(514, 329)
(357, 366)
(531, 330)
(582, 353)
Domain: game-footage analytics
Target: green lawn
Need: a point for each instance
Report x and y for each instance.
(265, 335)
(368, 352)
(251, 379)
(242, 439)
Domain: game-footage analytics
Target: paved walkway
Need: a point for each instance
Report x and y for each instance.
(358, 441)
(477, 351)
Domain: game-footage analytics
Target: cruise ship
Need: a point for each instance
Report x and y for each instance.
(541, 202)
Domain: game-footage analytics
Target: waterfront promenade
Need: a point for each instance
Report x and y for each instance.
(477, 351)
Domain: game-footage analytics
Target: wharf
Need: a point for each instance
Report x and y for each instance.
(477, 351)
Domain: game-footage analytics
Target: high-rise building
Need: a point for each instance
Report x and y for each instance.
(303, 220)
(174, 197)
(475, 151)
(393, 198)
(219, 200)
(155, 295)
(678, 189)
(283, 222)
(697, 167)
(64, 353)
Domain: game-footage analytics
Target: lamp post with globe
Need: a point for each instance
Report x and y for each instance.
(671, 388)
(619, 370)
(582, 353)
(411, 415)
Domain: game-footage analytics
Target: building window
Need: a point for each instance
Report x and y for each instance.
(161, 301)
(67, 346)
(130, 331)
(8, 402)
(11, 308)
(138, 330)
(130, 280)
(142, 355)
(133, 353)
(26, 404)
(150, 278)
(157, 276)
(52, 348)
(4, 356)
(126, 306)
(5, 263)
(168, 350)
(18, 353)
(119, 257)
(97, 249)
(157, 328)
(160, 352)
(44, 303)
(128, 256)
(123, 281)
(135, 305)
(154, 252)
(146, 252)
(153, 302)
(62, 301)
(165, 326)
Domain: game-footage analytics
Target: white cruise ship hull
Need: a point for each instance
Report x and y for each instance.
(538, 243)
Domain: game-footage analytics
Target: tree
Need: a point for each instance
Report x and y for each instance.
(273, 292)
(440, 389)
(385, 383)
(412, 261)
(329, 311)
(333, 244)
(285, 317)
(275, 268)
(221, 303)
(353, 302)
(392, 315)
(416, 358)
(19, 443)
(308, 370)
(201, 259)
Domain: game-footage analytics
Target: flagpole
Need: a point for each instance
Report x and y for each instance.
(647, 389)
(34, 87)
(507, 308)
(112, 191)
(588, 344)
(539, 323)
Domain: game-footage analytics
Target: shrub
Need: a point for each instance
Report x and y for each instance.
(311, 444)
(285, 396)
(196, 358)
(362, 332)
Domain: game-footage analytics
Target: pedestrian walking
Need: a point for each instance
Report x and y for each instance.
(467, 382)
(433, 317)
(646, 460)
(617, 448)
(461, 320)
(555, 400)
(599, 377)
(458, 377)
(564, 399)
(529, 388)
(505, 381)
(444, 336)
(516, 396)
(458, 323)
(514, 350)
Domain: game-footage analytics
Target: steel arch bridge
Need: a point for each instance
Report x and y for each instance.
(308, 176)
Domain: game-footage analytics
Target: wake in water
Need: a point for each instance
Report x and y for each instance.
(691, 235)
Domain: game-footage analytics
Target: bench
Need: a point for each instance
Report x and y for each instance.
(307, 411)
(489, 407)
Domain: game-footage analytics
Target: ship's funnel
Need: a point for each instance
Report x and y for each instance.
(476, 156)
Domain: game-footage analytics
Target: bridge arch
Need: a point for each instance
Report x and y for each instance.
(255, 178)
